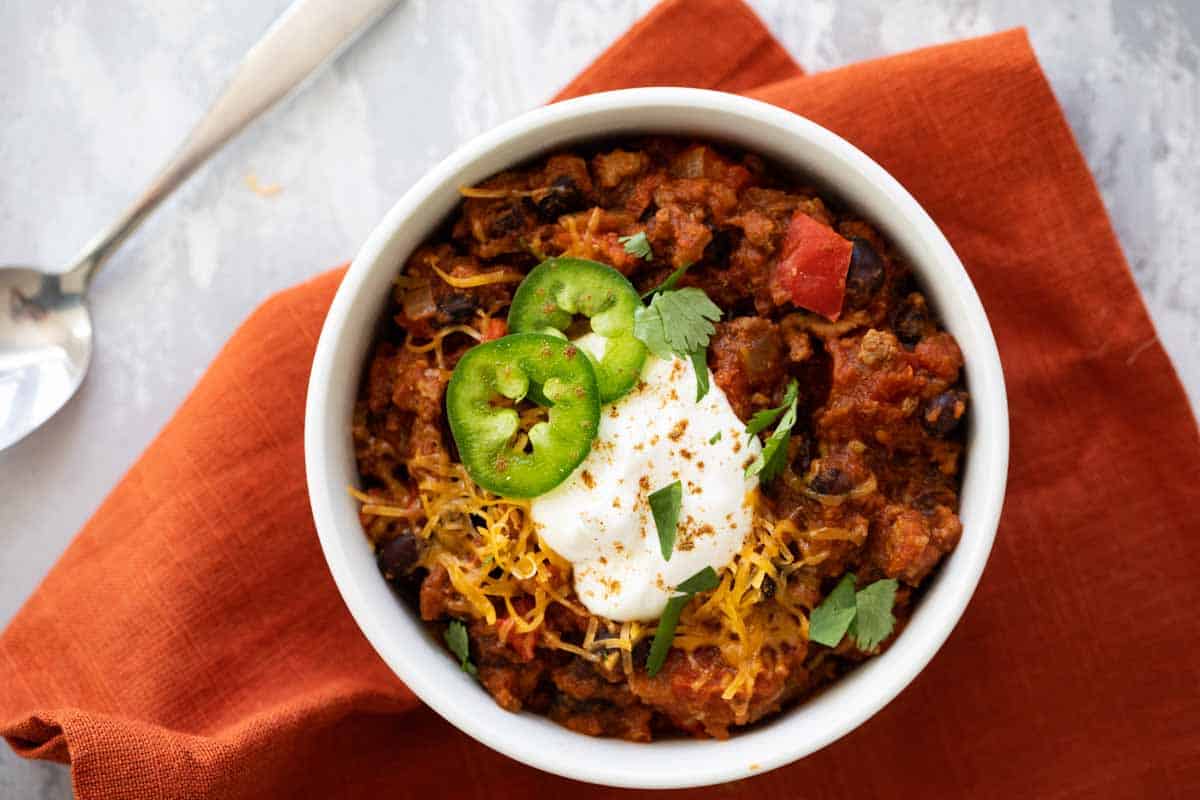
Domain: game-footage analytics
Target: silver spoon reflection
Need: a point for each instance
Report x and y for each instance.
(45, 327)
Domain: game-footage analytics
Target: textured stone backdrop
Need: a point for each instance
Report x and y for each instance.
(95, 95)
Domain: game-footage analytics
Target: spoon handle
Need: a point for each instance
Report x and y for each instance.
(307, 34)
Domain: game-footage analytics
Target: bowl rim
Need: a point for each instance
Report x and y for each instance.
(667, 763)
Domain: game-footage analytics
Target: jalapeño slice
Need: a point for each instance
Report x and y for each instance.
(490, 379)
(558, 289)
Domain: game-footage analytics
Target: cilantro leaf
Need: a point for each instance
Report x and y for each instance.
(774, 453)
(762, 419)
(637, 245)
(716, 437)
(829, 621)
(688, 316)
(700, 367)
(865, 615)
(665, 633)
(874, 621)
(773, 458)
(668, 284)
(703, 581)
(678, 322)
(648, 327)
(459, 644)
(664, 505)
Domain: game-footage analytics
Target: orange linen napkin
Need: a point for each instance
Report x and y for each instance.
(190, 643)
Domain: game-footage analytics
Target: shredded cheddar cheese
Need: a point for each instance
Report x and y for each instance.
(483, 279)
(493, 556)
(435, 344)
(476, 193)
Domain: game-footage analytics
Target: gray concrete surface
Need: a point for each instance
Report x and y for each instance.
(96, 94)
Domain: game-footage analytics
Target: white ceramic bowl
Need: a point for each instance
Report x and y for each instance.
(396, 632)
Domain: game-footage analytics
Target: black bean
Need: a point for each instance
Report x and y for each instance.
(720, 248)
(398, 557)
(865, 276)
(456, 307)
(799, 452)
(831, 480)
(911, 320)
(768, 587)
(510, 220)
(561, 197)
(641, 652)
(928, 502)
(942, 414)
(576, 638)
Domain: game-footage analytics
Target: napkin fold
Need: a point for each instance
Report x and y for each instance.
(190, 642)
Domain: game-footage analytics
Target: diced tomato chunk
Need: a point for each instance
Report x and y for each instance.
(522, 644)
(494, 329)
(811, 272)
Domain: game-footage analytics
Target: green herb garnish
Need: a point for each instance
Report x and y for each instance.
(829, 621)
(716, 437)
(664, 505)
(700, 367)
(874, 621)
(459, 644)
(866, 614)
(763, 419)
(678, 322)
(774, 453)
(703, 581)
(637, 245)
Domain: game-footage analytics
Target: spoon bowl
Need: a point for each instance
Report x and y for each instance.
(45, 347)
(45, 328)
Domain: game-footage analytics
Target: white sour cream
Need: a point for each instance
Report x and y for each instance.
(599, 518)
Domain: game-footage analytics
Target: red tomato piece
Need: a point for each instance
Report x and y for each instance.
(494, 329)
(811, 272)
(522, 644)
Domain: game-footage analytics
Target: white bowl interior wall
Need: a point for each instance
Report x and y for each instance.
(394, 629)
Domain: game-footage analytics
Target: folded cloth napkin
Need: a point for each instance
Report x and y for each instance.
(190, 643)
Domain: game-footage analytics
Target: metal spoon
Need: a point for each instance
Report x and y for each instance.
(45, 328)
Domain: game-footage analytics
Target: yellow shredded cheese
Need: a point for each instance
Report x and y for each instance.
(483, 279)
(494, 194)
(435, 344)
(503, 571)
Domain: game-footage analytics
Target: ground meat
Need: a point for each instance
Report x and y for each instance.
(438, 599)
(611, 169)
(687, 690)
(906, 544)
(632, 722)
(878, 388)
(511, 685)
(745, 356)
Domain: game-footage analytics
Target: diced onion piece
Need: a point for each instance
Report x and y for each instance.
(418, 303)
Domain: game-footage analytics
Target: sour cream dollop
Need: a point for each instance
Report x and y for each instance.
(599, 518)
